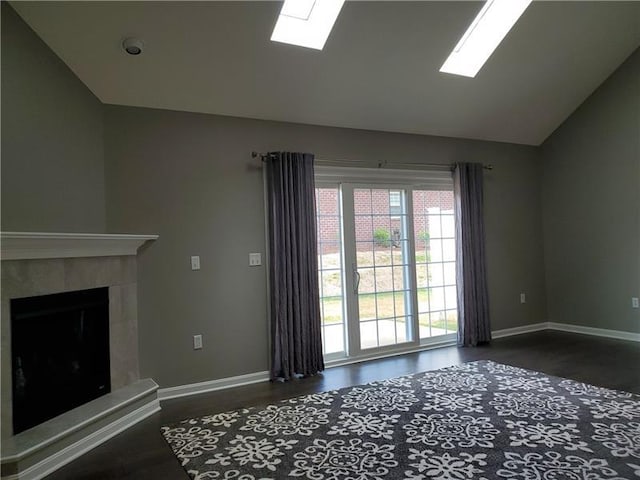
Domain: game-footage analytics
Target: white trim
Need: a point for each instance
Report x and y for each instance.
(435, 179)
(82, 446)
(363, 358)
(212, 385)
(508, 332)
(598, 332)
(30, 245)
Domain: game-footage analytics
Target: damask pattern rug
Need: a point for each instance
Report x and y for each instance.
(479, 420)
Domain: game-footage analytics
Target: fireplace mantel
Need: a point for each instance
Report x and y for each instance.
(32, 245)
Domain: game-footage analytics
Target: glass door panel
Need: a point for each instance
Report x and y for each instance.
(434, 236)
(382, 267)
(330, 269)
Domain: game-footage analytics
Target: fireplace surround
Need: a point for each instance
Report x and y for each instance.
(42, 264)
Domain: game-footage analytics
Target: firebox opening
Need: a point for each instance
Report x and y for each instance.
(59, 352)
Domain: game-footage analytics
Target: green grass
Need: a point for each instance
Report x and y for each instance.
(367, 305)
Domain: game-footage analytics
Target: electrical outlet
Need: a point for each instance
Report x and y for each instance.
(255, 259)
(197, 342)
(523, 298)
(195, 262)
(635, 302)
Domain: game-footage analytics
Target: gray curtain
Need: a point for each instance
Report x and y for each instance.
(296, 338)
(474, 326)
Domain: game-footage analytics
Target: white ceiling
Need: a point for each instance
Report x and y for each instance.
(378, 70)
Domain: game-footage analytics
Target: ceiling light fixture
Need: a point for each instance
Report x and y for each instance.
(306, 23)
(483, 36)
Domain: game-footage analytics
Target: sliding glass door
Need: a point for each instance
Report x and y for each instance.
(386, 256)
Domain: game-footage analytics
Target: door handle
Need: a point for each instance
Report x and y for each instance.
(356, 279)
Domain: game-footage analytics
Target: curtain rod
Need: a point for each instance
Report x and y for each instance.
(384, 164)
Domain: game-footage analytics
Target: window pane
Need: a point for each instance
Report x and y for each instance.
(450, 297)
(436, 275)
(362, 201)
(331, 256)
(424, 325)
(331, 283)
(368, 334)
(384, 280)
(380, 201)
(435, 250)
(446, 202)
(449, 273)
(367, 306)
(364, 229)
(367, 280)
(448, 250)
(332, 310)
(438, 324)
(386, 332)
(334, 338)
(448, 226)
(452, 321)
(384, 302)
(421, 276)
(328, 229)
(436, 299)
(433, 226)
(364, 254)
(327, 201)
(423, 299)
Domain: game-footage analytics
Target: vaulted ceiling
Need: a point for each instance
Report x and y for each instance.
(379, 69)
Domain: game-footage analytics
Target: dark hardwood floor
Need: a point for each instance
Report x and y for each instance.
(141, 453)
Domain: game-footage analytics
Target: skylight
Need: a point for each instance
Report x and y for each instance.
(306, 23)
(483, 36)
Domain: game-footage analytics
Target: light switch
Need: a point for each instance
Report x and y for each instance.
(635, 302)
(197, 342)
(255, 259)
(523, 298)
(195, 262)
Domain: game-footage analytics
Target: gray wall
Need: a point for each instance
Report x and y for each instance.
(591, 197)
(52, 145)
(190, 179)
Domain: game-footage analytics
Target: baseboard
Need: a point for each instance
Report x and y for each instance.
(223, 383)
(212, 385)
(508, 332)
(70, 453)
(598, 332)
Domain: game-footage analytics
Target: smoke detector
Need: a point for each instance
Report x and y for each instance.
(132, 46)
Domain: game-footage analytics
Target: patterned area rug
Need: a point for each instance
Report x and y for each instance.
(480, 420)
